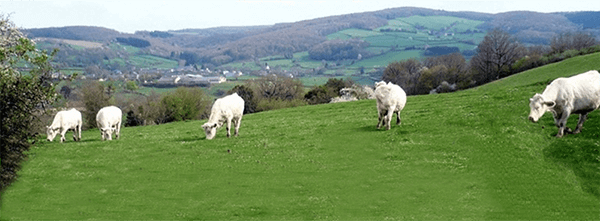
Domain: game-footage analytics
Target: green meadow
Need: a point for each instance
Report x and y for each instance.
(467, 155)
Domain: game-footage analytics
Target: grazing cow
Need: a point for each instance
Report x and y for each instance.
(64, 121)
(228, 108)
(579, 94)
(390, 99)
(108, 121)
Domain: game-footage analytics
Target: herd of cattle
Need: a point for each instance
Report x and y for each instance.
(579, 94)
(108, 121)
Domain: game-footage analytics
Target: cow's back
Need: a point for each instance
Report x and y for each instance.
(399, 96)
(582, 91)
(67, 119)
(108, 116)
(390, 95)
(233, 103)
(382, 93)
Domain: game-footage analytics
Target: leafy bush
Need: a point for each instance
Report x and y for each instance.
(131, 85)
(184, 104)
(277, 87)
(324, 93)
(95, 97)
(248, 95)
(320, 95)
(21, 96)
(133, 120)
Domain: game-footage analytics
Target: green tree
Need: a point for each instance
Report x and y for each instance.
(23, 93)
(248, 95)
(95, 97)
(495, 56)
(405, 73)
(184, 104)
(131, 85)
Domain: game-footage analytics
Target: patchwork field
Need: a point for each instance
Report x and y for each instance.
(466, 155)
(400, 39)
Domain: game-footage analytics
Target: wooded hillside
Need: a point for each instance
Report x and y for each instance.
(222, 45)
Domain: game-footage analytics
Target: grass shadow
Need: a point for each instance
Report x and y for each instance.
(582, 156)
(369, 128)
(372, 128)
(191, 138)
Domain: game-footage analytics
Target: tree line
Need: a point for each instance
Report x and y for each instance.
(499, 55)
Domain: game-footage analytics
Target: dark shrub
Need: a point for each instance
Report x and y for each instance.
(133, 120)
(248, 95)
(320, 95)
(95, 98)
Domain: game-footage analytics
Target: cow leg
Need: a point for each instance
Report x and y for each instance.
(380, 118)
(75, 133)
(228, 127)
(79, 132)
(398, 121)
(388, 118)
(62, 134)
(561, 123)
(582, 118)
(118, 131)
(237, 123)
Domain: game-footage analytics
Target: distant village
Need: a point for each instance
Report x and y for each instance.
(164, 78)
(188, 76)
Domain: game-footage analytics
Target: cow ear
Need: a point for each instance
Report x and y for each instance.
(550, 103)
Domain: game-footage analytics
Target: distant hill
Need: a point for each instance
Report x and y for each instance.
(205, 32)
(587, 19)
(223, 45)
(84, 33)
(532, 27)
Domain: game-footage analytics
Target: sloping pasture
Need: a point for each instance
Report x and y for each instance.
(465, 155)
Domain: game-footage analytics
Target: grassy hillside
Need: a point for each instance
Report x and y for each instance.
(400, 39)
(465, 155)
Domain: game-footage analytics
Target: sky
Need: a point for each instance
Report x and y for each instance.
(150, 15)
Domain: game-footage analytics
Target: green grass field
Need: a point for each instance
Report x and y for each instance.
(388, 58)
(468, 155)
(439, 22)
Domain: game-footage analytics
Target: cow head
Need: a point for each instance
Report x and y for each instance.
(539, 106)
(106, 133)
(210, 129)
(51, 133)
(377, 84)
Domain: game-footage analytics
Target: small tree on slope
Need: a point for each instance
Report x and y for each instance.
(24, 91)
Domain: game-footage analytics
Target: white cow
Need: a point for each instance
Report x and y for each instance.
(64, 121)
(579, 94)
(228, 108)
(108, 121)
(390, 99)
